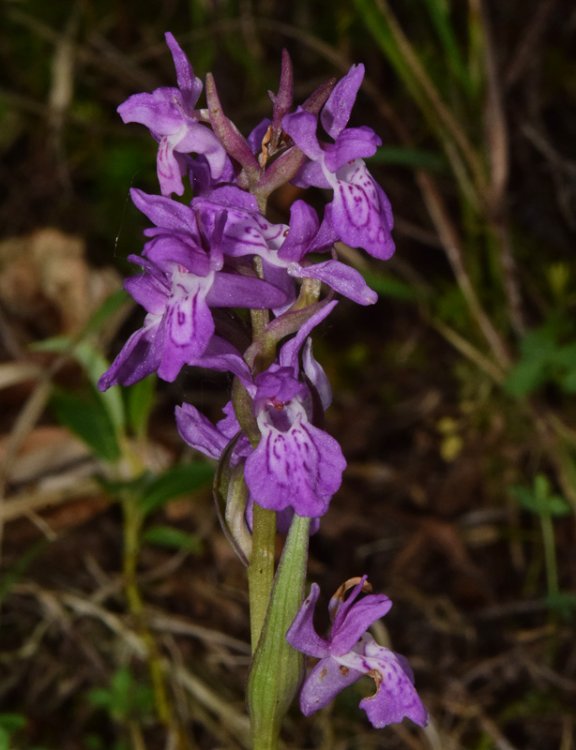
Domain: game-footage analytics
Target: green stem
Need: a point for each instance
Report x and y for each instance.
(548, 542)
(277, 668)
(261, 569)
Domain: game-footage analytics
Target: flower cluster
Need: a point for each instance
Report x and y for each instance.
(215, 252)
(219, 250)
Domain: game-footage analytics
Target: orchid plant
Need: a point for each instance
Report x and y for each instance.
(278, 469)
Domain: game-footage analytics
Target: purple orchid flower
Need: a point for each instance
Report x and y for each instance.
(184, 275)
(170, 116)
(360, 212)
(350, 652)
(212, 440)
(281, 246)
(296, 466)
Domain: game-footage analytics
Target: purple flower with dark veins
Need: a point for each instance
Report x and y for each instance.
(296, 464)
(349, 652)
(284, 247)
(183, 276)
(169, 114)
(360, 212)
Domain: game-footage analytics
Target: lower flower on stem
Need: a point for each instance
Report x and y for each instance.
(350, 652)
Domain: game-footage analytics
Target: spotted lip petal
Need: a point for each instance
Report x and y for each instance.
(300, 467)
(350, 652)
(395, 697)
(360, 212)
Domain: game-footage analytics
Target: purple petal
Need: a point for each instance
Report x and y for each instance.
(169, 168)
(304, 226)
(347, 630)
(324, 683)
(340, 277)
(186, 328)
(278, 384)
(191, 321)
(316, 375)
(137, 359)
(301, 468)
(234, 290)
(198, 432)
(361, 213)
(187, 81)
(353, 143)
(301, 127)
(220, 355)
(302, 634)
(288, 356)
(228, 196)
(229, 424)
(174, 253)
(148, 292)
(158, 111)
(396, 697)
(165, 212)
(337, 110)
(312, 175)
(199, 139)
(257, 134)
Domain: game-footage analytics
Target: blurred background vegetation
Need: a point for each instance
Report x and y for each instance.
(123, 611)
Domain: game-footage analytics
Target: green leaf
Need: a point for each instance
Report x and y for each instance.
(125, 698)
(539, 500)
(177, 481)
(439, 14)
(525, 377)
(94, 364)
(139, 404)
(410, 157)
(12, 722)
(563, 603)
(86, 417)
(111, 305)
(168, 536)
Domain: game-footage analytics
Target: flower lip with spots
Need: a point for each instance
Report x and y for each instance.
(349, 652)
(360, 212)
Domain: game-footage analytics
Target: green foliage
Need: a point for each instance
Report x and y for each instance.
(545, 358)
(388, 285)
(126, 697)
(10, 723)
(174, 482)
(94, 364)
(85, 416)
(152, 491)
(562, 603)
(415, 158)
(172, 538)
(540, 500)
(139, 404)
